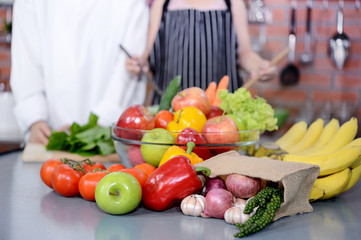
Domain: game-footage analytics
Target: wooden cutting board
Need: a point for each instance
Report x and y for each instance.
(36, 152)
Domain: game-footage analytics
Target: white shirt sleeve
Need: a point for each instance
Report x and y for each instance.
(26, 79)
(123, 89)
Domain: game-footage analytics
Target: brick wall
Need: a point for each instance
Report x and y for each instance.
(320, 82)
(4, 53)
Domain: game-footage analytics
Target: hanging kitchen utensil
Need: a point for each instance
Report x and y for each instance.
(259, 14)
(339, 45)
(357, 4)
(290, 74)
(307, 57)
(273, 62)
(154, 85)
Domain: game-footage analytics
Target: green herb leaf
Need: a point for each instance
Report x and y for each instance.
(58, 141)
(87, 140)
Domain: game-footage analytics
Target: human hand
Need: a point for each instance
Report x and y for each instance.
(258, 67)
(40, 132)
(64, 128)
(265, 72)
(136, 65)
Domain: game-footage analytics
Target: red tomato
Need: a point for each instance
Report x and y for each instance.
(47, 169)
(115, 167)
(137, 173)
(146, 168)
(88, 183)
(90, 166)
(162, 119)
(65, 180)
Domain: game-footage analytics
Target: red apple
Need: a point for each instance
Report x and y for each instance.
(220, 130)
(135, 156)
(192, 97)
(134, 118)
(214, 112)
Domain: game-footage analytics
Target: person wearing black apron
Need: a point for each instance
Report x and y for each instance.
(200, 45)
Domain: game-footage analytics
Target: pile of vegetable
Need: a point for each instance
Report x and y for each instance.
(86, 140)
(255, 112)
(214, 119)
(70, 178)
(249, 203)
(181, 128)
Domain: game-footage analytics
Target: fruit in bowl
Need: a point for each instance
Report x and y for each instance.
(232, 121)
(192, 97)
(153, 153)
(220, 130)
(135, 117)
(130, 150)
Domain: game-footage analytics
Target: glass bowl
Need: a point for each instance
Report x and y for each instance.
(128, 143)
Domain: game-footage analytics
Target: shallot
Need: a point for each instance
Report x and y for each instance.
(242, 186)
(213, 183)
(217, 202)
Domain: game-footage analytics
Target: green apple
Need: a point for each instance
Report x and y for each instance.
(118, 193)
(153, 153)
(241, 125)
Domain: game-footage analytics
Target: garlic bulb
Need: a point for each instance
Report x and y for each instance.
(193, 205)
(240, 202)
(235, 215)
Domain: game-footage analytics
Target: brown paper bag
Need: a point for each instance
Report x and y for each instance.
(296, 178)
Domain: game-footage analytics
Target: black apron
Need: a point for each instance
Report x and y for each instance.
(201, 46)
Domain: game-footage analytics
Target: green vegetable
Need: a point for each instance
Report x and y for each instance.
(153, 109)
(268, 200)
(255, 112)
(169, 93)
(87, 140)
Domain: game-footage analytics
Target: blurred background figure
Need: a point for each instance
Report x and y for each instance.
(200, 40)
(66, 62)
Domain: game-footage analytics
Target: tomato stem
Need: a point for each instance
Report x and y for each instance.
(76, 165)
(88, 161)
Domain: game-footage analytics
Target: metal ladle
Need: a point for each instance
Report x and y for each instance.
(307, 58)
(290, 74)
(340, 43)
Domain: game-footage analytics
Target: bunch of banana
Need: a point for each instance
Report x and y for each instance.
(332, 147)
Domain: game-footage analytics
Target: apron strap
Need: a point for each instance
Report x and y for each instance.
(165, 6)
(228, 3)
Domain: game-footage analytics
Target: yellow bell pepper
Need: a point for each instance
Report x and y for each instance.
(187, 117)
(175, 151)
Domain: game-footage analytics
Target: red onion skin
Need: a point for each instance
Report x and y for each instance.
(242, 186)
(213, 183)
(217, 202)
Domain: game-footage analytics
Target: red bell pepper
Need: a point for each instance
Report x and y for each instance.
(191, 135)
(171, 182)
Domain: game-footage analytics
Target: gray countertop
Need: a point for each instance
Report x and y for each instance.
(30, 210)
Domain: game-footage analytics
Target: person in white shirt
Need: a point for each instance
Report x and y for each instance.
(66, 62)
